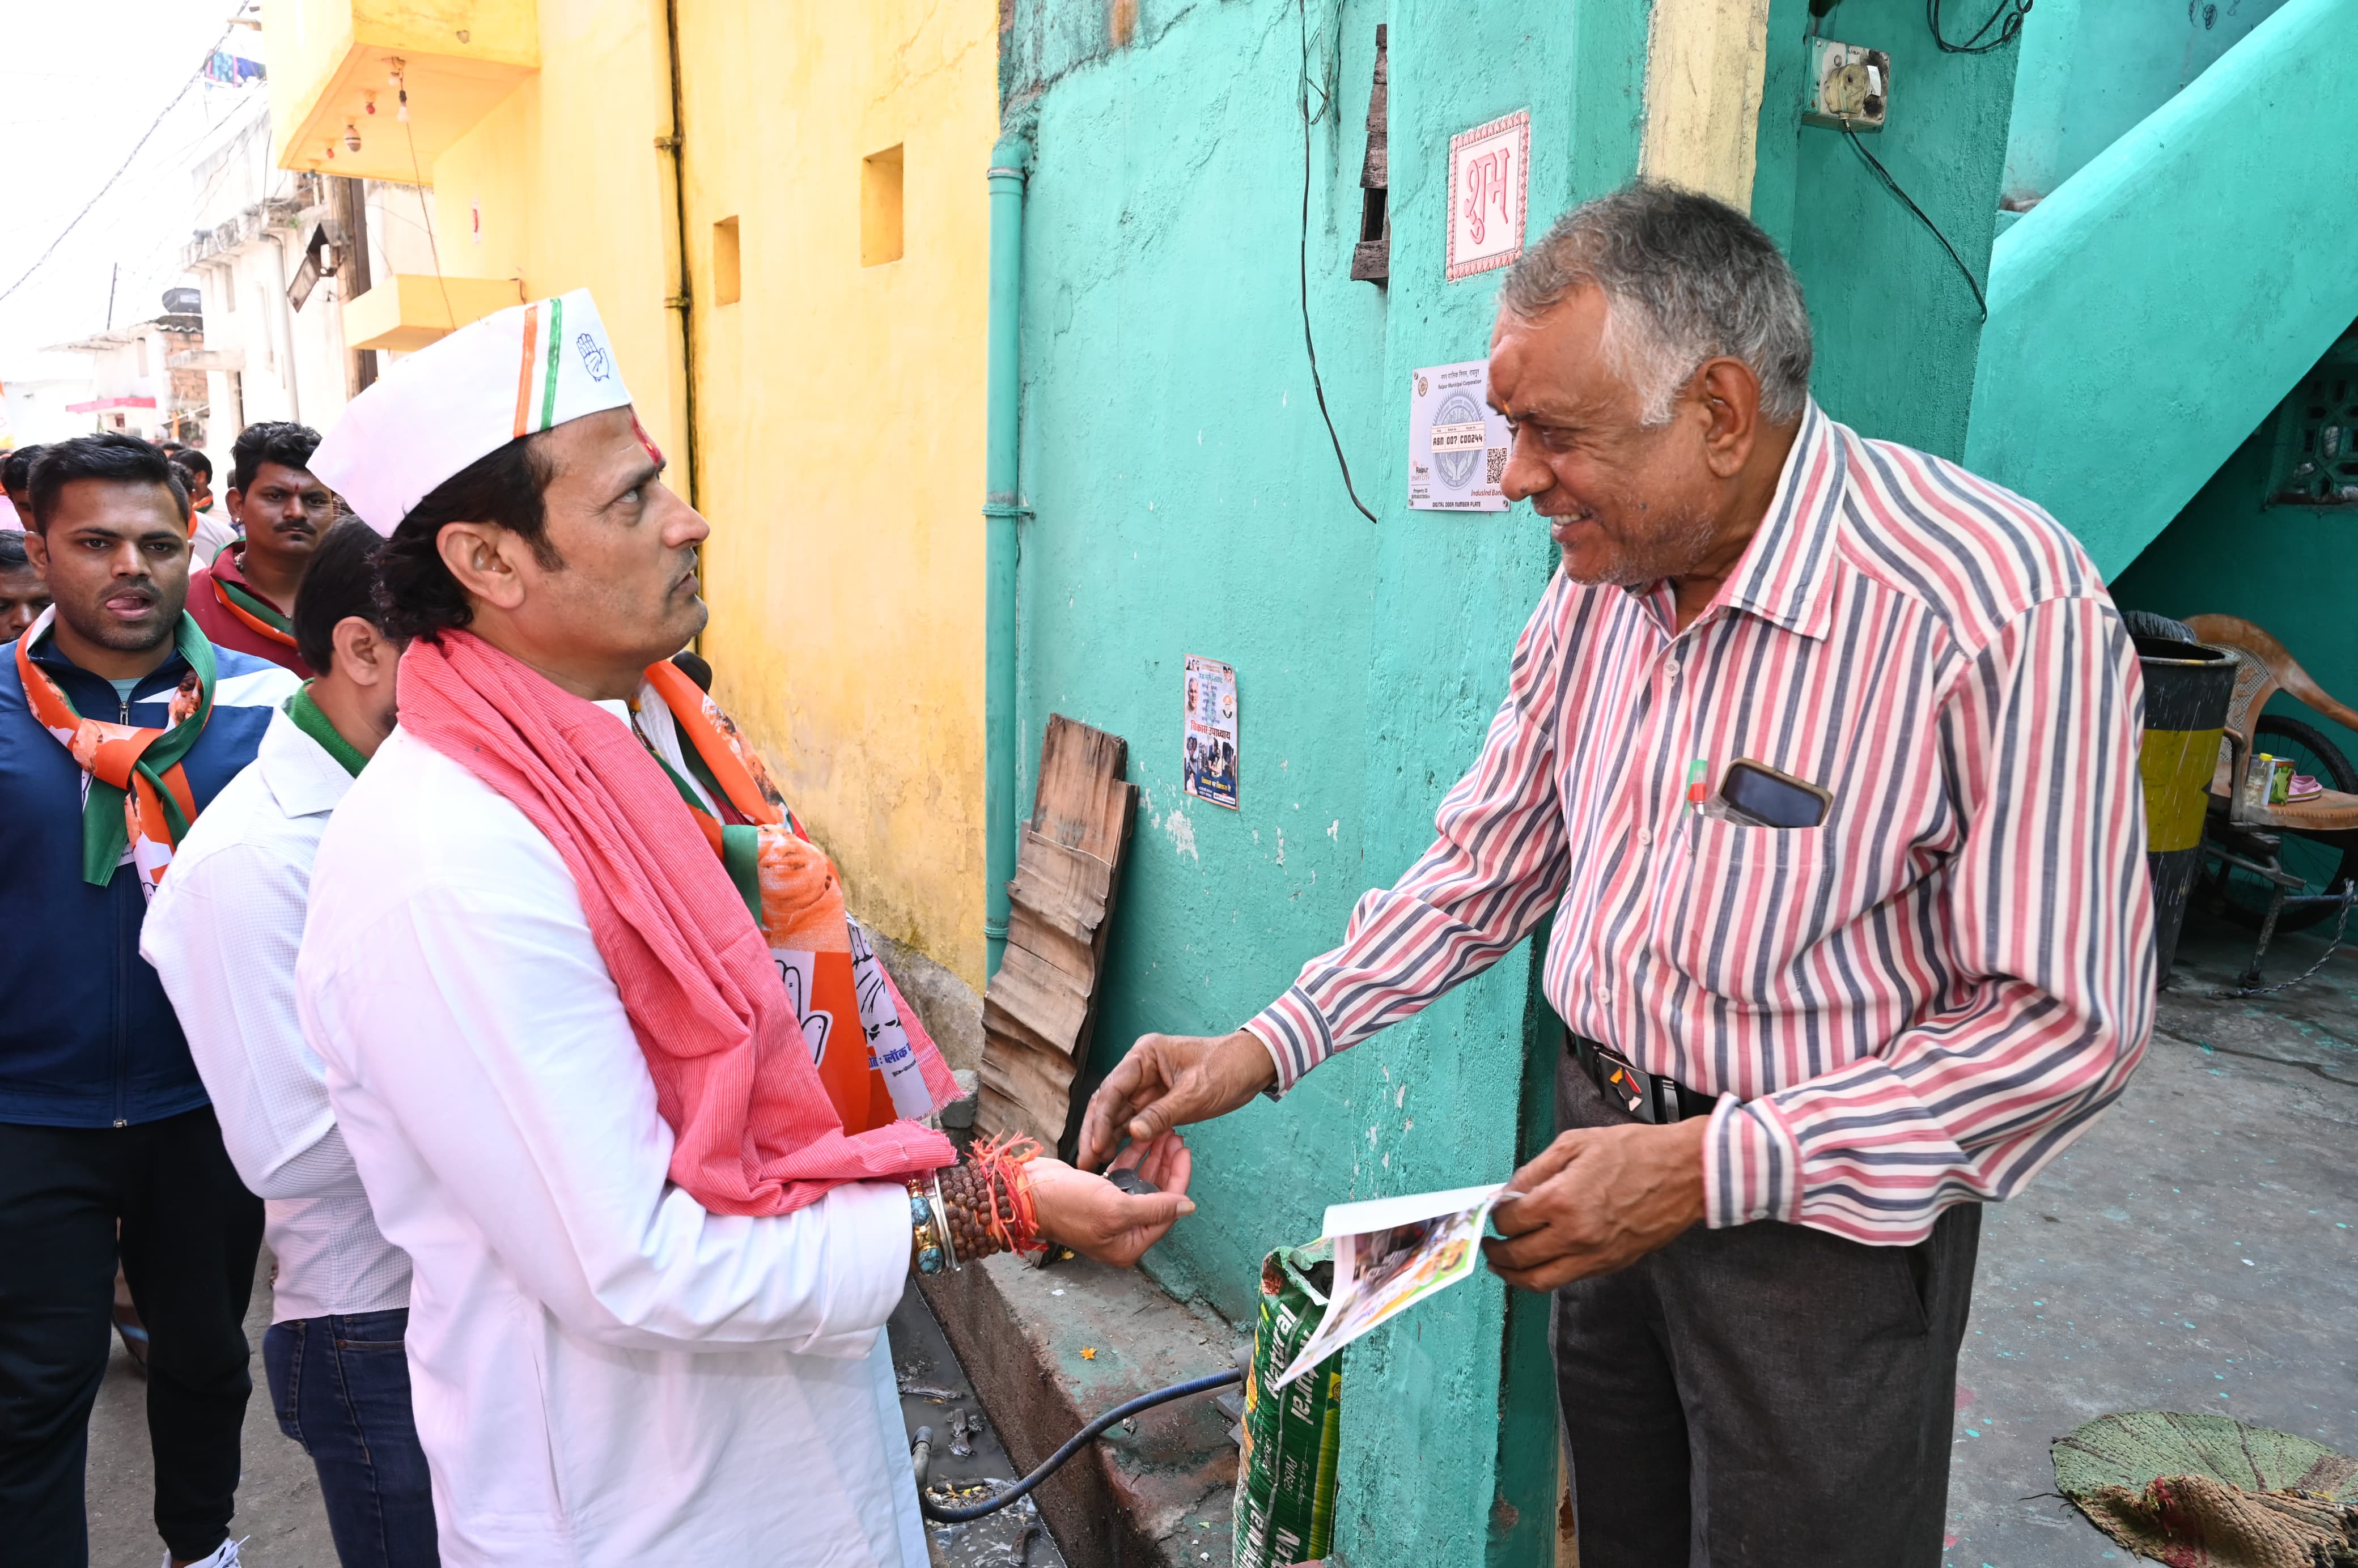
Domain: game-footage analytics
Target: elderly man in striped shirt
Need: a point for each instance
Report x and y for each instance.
(1890, 955)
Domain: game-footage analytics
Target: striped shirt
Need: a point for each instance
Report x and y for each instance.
(1919, 1001)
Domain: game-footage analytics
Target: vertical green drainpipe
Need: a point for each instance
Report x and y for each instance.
(1001, 507)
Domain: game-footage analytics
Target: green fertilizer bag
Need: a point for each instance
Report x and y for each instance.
(1285, 1481)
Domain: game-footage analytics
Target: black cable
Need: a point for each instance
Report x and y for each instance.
(2007, 20)
(1884, 176)
(1302, 83)
(920, 1451)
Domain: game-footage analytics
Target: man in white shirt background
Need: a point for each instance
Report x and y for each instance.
(223, 935)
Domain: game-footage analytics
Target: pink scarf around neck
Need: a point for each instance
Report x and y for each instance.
(755, 1131)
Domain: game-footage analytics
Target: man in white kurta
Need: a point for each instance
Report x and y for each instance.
(603, 1372)
(606, 1371)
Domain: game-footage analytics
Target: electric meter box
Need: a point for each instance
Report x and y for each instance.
(1849, 86)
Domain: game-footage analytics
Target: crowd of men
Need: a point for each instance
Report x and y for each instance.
(383, 890)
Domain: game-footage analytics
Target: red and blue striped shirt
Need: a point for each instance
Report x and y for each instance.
(1919, 1001)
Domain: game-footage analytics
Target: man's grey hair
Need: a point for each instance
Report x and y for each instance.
(1686, 279)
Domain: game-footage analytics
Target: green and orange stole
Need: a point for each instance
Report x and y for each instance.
(257, 614)
(139, 794)
(889, 1070)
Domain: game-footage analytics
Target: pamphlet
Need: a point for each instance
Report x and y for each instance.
(1208, 745)
(1390, 1254)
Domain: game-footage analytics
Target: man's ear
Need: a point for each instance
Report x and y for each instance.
(478, 554)
(36, 551)
(1730, 394)
(363, 654)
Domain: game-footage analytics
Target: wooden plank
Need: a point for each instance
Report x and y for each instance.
(1040, 1013)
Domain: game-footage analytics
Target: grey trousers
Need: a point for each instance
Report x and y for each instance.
(1768, 1395)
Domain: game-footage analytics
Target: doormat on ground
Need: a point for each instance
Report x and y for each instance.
(2203, 1491)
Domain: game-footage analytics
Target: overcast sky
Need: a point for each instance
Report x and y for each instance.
(78, 84)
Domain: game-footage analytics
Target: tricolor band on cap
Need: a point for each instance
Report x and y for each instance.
(513, 373)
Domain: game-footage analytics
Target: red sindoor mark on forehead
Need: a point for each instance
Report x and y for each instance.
(646, 442)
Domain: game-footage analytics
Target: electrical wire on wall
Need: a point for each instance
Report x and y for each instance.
(2005, 25)
(1883, 177)
(1301, 84)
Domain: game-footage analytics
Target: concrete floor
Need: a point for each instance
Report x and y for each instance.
(2194, 1251)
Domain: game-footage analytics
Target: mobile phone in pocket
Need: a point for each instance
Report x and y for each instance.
(1759, 796)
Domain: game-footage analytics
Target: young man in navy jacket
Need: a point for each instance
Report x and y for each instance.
(118, 722)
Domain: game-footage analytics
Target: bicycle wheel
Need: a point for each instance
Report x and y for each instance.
(2243, 897)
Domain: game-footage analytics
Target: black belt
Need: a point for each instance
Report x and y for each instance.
(1654, 1098)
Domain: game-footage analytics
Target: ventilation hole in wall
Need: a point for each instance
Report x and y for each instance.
(727, 272)
(2317, 435)
(880, 208)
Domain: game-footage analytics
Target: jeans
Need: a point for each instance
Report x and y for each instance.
(1763, 1396)
(341, 1388)
(188, 1235)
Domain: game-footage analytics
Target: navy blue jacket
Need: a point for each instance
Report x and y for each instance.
(87, 1038)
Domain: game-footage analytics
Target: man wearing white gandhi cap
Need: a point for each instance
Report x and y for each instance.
(616, 1070)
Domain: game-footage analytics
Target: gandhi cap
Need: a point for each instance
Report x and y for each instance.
(513, 373)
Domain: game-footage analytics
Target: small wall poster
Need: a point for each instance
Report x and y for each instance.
(1208, 753)
(1456, 442)
(1488, 176)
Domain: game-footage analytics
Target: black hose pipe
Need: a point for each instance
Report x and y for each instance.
(921, 1452)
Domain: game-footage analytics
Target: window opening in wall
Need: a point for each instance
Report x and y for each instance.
(880, 208)
(728, 275)
(2317, 435)
(1371, 258)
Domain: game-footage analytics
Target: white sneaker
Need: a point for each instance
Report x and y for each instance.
(223, 1556)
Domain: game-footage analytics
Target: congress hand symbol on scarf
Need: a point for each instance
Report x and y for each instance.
(138, 793)
(756, 1131)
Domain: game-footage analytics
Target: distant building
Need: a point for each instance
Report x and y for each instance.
(134, 386)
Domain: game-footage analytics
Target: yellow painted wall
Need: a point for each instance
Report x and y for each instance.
(839, 404)
(840, 411)
(572, 192)
(1705, 62)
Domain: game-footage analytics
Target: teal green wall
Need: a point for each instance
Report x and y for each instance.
(1186, 502)
(2150, 312)
(2092, 68)
(1896, 324)
(2288, 568)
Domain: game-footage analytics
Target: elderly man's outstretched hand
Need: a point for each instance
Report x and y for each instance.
(1169, 1080)
(1098, 1220)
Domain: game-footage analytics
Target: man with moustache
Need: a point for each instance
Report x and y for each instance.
(1823, 1005)
(119, 723)
(244, 596)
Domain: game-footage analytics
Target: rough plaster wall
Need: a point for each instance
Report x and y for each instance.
(2091, 71)
(1187, 502)
(840, 412)
(2288, 569)
(1896, 324)
(1704, 61)
(2150, 312)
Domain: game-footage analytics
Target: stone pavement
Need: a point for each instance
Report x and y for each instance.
(2194, 1251)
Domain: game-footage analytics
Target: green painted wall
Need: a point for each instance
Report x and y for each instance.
(1896, 323)
(2150, 312)
(2092, 68)
(2288, 569)
(1186, 502)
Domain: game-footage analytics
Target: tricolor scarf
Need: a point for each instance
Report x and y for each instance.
(260, 616)
(755, 1131)
(138, 793)
(791, 890)
(307, 717)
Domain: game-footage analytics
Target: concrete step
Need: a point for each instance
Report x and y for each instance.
(1051, 1348)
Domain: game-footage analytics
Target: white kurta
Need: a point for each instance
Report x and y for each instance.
(603, 1373)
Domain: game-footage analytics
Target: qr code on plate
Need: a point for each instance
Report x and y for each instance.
(1496, 468)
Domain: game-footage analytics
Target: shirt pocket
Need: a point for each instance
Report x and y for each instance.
(1744, 904)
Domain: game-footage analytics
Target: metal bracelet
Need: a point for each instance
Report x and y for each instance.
(942, 1222)
(927, 1232)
